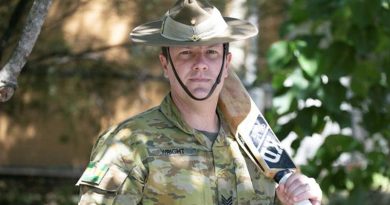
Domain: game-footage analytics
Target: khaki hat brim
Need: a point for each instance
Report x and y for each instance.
(149, 34)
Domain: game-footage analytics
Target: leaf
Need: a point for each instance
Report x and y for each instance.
(334, 95)
(283, 103)
(365, 39)
(305, 52)
(334, 146)
(343, 118)
(384, 16)
(285, 129)
(364, 76)
(322, 9)
(279, 56)
(363, 11)
(298, 11)
(278, 80)
(310, 120)
(309, 65)
(296, 144)
(375, 120)
(338, 60)
(298, 81)
(341, 23)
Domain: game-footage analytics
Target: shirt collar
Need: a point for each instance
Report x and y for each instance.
(172, 113)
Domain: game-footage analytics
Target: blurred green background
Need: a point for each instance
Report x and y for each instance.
(324, 66)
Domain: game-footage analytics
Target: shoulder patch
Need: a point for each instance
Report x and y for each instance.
(94, 173)
(103, 176)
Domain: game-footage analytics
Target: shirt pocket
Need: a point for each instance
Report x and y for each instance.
(180, 176)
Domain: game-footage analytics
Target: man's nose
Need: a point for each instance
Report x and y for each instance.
(200, 63)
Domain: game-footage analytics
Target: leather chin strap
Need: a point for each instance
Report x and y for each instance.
(217, 81)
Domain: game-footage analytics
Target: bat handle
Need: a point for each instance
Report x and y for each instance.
(286, 175)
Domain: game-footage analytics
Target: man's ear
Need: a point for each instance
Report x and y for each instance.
(164, 64)
(227, 64)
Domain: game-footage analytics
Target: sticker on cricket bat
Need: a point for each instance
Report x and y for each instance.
(258, 140)
(268, 146)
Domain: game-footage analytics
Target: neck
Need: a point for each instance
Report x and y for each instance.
(200, 115)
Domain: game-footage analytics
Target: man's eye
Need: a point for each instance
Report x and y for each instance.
(185, 52)
(212, 52)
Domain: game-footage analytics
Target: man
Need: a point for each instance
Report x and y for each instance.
(181, 152)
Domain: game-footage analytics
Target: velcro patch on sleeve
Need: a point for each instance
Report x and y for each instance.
(94, 173)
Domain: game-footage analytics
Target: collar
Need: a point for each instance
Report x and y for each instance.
(172, 113)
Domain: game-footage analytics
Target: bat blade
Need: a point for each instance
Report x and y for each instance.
(253, 133)
(251, 130)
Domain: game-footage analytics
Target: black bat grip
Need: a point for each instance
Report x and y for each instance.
(279, 175)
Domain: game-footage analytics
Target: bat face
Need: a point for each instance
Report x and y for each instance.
(264, 147)
(251, 130)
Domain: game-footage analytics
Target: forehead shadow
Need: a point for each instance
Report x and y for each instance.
(192, 47)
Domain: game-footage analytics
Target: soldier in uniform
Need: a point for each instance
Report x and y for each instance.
(182, 152)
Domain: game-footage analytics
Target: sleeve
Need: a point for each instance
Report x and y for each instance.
(101, 184)
(114, 175)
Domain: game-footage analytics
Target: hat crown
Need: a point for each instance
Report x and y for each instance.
(192, 20)
(190, 23)
(191, 12)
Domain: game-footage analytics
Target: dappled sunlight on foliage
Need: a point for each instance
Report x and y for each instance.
(336, 52)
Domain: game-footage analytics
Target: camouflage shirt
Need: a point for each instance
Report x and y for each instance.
(156, 158)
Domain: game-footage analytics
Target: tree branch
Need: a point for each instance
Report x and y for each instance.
(12, 24)
(30, 33)
(81, 54)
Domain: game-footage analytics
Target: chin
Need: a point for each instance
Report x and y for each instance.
(202, 95)
(199, 94)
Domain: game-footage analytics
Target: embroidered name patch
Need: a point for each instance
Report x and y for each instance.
(171, 151)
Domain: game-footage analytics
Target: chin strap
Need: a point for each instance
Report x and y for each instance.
(217, 81)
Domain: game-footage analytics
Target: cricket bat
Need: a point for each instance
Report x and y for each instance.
(253, 133)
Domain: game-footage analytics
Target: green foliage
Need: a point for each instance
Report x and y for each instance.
(337, 55)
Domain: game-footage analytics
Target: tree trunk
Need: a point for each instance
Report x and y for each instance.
(245, 52)
(30, 33)
(12, 24)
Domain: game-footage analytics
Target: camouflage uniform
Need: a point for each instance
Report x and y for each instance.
(156, 158)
